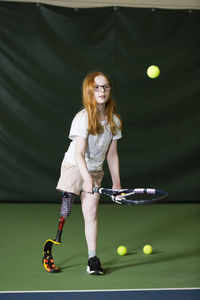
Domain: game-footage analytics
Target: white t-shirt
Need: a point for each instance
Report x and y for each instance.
(97, 145)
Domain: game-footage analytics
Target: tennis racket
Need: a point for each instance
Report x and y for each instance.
(137, 196)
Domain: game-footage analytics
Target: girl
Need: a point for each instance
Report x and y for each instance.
(94, 133)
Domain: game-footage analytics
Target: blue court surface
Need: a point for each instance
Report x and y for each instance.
(150, 294)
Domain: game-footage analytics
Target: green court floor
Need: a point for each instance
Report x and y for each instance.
(172, 229)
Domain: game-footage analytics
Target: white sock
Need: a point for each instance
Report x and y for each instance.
(91, 253)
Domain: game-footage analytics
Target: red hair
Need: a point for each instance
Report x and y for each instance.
(89, 102)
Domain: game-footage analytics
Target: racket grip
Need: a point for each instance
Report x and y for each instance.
(95, 189)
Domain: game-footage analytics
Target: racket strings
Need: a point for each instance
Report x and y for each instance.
(139, 197)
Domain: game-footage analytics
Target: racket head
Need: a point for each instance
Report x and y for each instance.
(137, 196)
(140, 196)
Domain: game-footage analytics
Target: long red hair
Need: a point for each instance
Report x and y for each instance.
(89, 102)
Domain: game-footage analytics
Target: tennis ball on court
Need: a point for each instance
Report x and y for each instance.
(122, 250)
(153, 71)
(147, 249)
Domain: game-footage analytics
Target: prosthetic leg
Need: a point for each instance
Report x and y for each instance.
(47, 260)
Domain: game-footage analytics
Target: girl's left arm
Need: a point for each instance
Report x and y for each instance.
(113, 164)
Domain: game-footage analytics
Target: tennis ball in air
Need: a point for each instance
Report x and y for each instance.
(147, 249)
(153, 71)
(121, 250)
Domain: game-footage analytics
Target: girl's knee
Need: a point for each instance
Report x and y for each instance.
(90, 210)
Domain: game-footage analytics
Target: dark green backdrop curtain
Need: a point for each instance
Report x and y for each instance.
(46, 51)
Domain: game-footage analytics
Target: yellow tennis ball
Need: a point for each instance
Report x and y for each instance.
(153, 71)
(122, 250)
(147, 249)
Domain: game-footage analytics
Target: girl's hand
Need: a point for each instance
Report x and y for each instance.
(88, 185)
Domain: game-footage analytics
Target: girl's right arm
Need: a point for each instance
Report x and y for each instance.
(80, 148)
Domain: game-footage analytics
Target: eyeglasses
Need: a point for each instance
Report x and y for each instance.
(106, 87)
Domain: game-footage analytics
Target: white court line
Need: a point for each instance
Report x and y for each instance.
(95, 291)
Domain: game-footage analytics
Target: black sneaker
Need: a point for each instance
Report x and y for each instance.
(94, 266)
